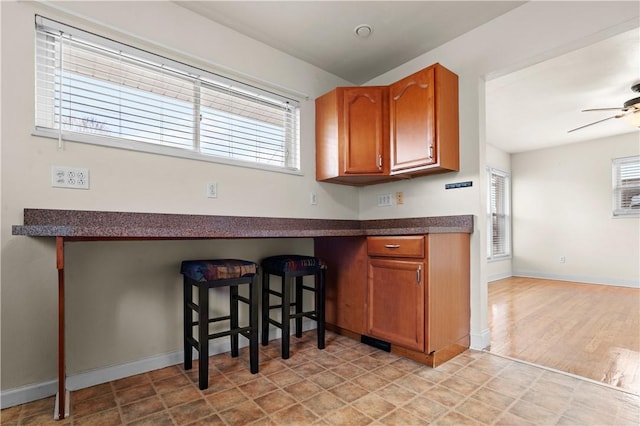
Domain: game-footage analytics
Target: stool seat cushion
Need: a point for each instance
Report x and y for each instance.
(292, 263)
(217, 269)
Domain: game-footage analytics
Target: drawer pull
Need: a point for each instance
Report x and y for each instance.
(392, 246)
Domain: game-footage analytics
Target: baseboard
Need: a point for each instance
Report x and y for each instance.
(500, 276)
(580, 279)
(29, 393)
(480, 341)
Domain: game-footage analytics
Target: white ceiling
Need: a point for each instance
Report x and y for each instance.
(536, 107)
(527, 109)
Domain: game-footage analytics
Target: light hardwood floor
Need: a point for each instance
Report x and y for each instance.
(588, 330)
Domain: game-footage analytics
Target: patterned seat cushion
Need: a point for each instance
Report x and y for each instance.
(292, 263)
(217, 269)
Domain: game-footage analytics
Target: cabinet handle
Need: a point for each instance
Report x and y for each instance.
(419, 274)
(380, 161)
(392, 246)
(430, 152)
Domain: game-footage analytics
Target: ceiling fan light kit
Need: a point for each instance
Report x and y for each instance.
(630, 111)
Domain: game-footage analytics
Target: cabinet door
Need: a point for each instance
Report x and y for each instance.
(412, 121)
(396, 305)
(365, 134)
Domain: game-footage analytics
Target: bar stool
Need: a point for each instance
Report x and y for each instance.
(288, 267)
(208, 274)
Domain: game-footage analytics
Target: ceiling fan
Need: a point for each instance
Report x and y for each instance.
(630, 109)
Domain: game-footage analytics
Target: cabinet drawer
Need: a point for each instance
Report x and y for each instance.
(400, 246)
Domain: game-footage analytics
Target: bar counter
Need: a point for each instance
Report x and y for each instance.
(80, 224)
(83, 225)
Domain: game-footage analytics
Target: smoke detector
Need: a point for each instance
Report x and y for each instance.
(363, 30)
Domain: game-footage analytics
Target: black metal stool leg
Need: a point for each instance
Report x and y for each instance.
(286, 319)
(187, 321)
(265, 308)
(233, 313)
(299, 306)
(203, 335)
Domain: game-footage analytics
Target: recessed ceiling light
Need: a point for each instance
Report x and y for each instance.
(363, 31)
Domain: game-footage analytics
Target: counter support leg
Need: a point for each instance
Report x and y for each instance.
(62, 400)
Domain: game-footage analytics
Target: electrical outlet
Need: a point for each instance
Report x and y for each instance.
(385, 200)
(69, 177)
(563, 259)
(313, 198)
(399, 197)
(212, 190)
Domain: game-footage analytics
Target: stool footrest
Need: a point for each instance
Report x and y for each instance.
(229, 332)
(243, 299)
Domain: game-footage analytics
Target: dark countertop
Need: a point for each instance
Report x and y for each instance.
(84, 224)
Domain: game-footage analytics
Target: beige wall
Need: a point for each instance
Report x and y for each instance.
(562, 206)
(129, 292)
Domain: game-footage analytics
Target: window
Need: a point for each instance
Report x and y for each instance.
(94, 90)
(499, 216)
(626, 186)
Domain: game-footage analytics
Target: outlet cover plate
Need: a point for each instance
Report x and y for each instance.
(69, 177)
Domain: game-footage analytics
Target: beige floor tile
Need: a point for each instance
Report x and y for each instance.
(374, 406)
(349, 392)
(478, 411)
(425, 409)
(294, 415)
(348, 416)
(323, 403)
(242, 414)
(275, 401)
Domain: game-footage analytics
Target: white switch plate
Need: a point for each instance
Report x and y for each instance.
(212, 190)
(313, 198)
(69, 177)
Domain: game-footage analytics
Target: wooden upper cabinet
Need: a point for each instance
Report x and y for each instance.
(352, 135)
(423, 122)
(374, 134)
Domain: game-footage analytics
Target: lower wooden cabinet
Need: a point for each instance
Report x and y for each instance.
(395, 302)
(409, 291)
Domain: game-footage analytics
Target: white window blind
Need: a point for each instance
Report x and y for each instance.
(92, 89)
(626, 186)
(499, 216)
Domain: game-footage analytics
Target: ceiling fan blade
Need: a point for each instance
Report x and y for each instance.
(596, 122)
(602, 109)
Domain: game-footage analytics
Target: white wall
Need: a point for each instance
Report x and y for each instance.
(144, 320)
(498, 159)
(562, 207)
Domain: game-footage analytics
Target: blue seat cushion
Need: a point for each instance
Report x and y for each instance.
(292, 263)
(217, 269)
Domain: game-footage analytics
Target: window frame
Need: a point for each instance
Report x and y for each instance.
(291, 141)
(619, 211)
(491, 256)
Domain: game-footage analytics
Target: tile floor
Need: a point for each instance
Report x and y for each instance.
(348, 383)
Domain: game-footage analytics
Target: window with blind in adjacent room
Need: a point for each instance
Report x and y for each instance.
(95, 90)
(499, 216)
(626, 186)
